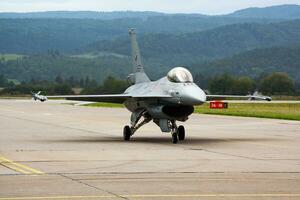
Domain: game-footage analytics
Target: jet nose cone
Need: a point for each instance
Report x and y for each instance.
(198, 97)
(193, 95)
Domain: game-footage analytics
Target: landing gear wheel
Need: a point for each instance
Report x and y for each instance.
(181, 133)
(174, 138)
(126, 133)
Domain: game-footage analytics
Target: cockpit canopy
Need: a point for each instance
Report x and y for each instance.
(180, 75)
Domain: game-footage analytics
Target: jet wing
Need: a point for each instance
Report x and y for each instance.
(89, 96)
(249, 97)
(110, 98)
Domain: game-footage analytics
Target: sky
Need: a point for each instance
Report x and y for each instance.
(210, 7)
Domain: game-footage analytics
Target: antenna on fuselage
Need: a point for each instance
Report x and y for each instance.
(138, 69)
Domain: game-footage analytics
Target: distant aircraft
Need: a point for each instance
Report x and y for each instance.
(38, 96)
(165, 101)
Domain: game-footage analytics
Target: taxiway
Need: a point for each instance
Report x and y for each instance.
(57, 151)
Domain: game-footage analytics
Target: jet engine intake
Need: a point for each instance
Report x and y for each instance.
(180, 112)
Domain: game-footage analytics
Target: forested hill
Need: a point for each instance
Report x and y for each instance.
(272, 12)
(39, 35)
(279, 12)
(48, 67)
(255, 63)
(96, 45)
(65, 31)
(252, 63)
(220, 42)
(80, 15)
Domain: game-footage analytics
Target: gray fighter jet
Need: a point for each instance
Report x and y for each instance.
(165, 101)
(38, 96)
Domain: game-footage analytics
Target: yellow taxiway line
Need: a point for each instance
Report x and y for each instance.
(18, 167)
(151, 196)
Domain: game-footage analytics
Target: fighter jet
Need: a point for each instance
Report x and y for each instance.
(165, 101)
(38, 96)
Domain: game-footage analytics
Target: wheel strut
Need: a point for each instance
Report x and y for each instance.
(135, 118)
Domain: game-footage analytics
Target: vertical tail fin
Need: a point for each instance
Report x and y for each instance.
(138, 70)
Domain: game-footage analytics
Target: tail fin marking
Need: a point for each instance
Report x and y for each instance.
(138, 69)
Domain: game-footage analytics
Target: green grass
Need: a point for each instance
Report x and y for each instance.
(88, 56)
(15, 81)
(286, 97)
(289, 111)
(8, 57)
(97, 55)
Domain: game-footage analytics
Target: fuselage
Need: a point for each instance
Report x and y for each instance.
(179, 104)
(39, 97)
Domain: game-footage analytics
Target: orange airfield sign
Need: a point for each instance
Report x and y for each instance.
(218, 105)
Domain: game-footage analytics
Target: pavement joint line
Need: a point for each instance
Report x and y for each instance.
(113, 195)
(18, 167)
(151, 196)
(149, 172)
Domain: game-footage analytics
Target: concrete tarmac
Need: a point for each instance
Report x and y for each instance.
(52, 150)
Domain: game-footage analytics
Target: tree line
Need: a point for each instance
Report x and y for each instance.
(277, 83)
(63, 86)
(4, 82)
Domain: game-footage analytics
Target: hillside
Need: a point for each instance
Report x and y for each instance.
(251, 63)
(96, 44)
(256, 62)
(48, 67)
(219, 42)
(27, 36)
(272, 12)
(279, 12)
(79, 15)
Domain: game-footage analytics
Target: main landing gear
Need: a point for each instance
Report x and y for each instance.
(126, 133)
(178, 133)
(135, 117)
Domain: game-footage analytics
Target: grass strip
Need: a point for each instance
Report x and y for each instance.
(288, 111)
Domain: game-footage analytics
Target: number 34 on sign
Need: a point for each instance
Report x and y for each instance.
(218, 105)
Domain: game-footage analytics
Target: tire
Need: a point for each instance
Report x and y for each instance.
(181, 133)
(126, 133)
(174, 138)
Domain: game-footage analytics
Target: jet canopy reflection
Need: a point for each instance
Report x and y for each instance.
(180, 75)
